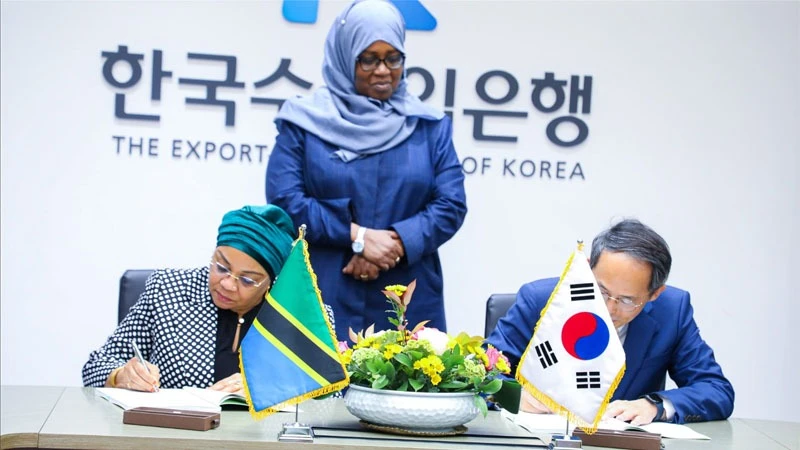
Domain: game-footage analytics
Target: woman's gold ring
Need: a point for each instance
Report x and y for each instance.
(364, 276)
(397, 260)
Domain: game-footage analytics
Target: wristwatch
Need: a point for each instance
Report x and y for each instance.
(659, 402)
(358, 244)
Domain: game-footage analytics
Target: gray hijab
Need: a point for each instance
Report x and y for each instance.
(336, 113)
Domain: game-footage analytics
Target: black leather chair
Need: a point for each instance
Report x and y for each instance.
(131, 286)
(496, 307)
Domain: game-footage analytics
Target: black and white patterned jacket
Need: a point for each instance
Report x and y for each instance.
(174, 323)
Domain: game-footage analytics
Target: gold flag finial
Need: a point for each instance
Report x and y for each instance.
(301, 232)
(580, 245)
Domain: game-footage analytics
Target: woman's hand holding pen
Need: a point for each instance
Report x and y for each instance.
(134, 376)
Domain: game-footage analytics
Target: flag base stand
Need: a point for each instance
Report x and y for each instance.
(565, 442)
(296, 432)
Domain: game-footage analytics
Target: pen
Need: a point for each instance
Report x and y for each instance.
(138, 354)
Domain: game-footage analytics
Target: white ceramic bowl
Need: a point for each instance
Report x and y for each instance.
(425, 411)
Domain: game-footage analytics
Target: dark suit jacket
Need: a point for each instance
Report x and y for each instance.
(662, 338)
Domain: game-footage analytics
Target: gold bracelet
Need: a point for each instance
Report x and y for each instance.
(112, 380)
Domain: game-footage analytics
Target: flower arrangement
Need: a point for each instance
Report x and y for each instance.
(421, 359)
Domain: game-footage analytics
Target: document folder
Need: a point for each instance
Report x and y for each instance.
(171, 418)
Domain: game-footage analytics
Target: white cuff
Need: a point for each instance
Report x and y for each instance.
(669, 409)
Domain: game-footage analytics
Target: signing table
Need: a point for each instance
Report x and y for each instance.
(74, 417)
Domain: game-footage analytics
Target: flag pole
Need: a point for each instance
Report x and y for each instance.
(302, 232)
(297, 432)
(293, 321)
(565, 441)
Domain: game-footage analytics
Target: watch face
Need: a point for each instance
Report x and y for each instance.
(357, 247)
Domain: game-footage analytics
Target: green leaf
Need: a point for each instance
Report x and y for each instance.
(492, 386)
(416, 384)
(447, 358)
(374, 365)
(389, 371)
(404, 386)
(480, 403)
(380, 382)
(404, 359)
(415, 354)
(453, 385)
(450, 359)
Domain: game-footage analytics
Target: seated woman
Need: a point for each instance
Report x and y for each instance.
(189, 323)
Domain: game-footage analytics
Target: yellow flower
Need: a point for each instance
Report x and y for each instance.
(347, 356)
(475, 349)
(470, 344)
(365, 343)
(398, 289)
(391, 350)
(483, 357)
(376, 357)
(502, 366)
(431, 366)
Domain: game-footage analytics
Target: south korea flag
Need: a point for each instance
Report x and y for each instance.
(575, 360)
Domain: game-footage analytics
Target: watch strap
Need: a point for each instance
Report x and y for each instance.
(362, 231)
(358, 245)
(658, 401)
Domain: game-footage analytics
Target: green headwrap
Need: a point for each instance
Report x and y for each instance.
(265, 233)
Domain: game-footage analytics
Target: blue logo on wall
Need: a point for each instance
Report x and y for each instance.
(417, 17)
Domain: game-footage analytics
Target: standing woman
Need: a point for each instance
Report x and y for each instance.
(372, 171)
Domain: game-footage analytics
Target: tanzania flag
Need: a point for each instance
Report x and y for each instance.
(289, 353)
(574, 361)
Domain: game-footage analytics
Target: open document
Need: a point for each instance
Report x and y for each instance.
(184, 399)
(553, 423)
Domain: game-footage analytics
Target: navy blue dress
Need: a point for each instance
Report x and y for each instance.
(416, 189)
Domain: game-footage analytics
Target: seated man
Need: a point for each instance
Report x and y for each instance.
(654, 322)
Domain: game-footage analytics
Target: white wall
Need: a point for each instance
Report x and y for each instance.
(693, 129)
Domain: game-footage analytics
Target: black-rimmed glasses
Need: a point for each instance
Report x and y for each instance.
(370, 63)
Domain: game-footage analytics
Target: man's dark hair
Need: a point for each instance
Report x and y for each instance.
(639, 241)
